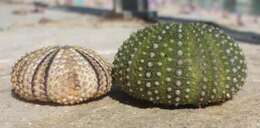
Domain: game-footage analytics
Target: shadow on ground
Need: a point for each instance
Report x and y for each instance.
(118, 95)
(124, 98)
(52, 103)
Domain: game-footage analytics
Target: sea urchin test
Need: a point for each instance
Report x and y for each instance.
(64, 75)
(180, 64)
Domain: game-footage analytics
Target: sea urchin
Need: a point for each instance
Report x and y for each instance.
(64, 75)
(180, 64)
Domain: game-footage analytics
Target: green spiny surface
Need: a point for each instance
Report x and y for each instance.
(180, 64)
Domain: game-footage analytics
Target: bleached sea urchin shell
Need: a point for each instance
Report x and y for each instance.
(180, 64)
(63, 75)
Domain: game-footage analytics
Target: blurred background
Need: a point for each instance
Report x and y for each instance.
(103, 25)
(229, 12)
(249, 10)
(237, 12)
(241, 14)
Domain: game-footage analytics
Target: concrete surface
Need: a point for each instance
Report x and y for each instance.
(23, 33)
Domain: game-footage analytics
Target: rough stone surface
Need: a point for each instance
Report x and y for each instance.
(116, 110)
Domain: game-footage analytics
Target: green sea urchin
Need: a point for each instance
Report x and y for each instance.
(64, 75)
(180, 64)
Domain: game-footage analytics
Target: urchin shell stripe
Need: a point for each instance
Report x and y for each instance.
(185, 44)
(220, 71)
(136, 58)
(37, 68)
(208, 73)
(18, 70)
(86, 57)
(24, 69)
(98, 62)
(202, 71)
(47, 73)
(206, 94)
